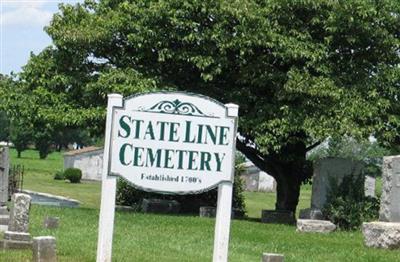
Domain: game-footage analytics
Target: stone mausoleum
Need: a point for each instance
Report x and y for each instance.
(88, 159)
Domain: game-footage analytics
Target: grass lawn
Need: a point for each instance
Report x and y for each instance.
(145, 237)
(39, 177)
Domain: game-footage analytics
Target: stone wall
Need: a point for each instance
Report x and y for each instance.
(89, 160)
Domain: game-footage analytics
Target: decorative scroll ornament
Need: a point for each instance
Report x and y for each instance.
(176, 107)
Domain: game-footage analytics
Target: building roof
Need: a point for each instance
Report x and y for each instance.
(82, 150)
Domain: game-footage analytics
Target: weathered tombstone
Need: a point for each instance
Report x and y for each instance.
(314, 226)
(330, 170)
(278, 217)
(44, 249)
(160, 206)
(206, 211)
(4, 169)
(17, 235)
(369, 186)
(271, 257)
(386, 232)
(51, 222)
(390, 207)
(19, 217)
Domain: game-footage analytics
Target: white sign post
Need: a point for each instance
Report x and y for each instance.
(173, 143)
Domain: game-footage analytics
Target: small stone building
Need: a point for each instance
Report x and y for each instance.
(256, 180)
(88, 159)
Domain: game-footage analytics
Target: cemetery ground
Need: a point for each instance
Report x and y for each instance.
(148, 237)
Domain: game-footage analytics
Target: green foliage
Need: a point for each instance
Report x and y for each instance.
(300, 71)
(370, 153)
(129, 196)
(347, 207)
(20, 136)
(74, 175)
(59, 175)
(4, 127)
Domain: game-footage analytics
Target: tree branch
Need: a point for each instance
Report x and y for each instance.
(247, 147)
(310, 147)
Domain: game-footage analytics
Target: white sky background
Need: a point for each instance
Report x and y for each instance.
(21, 30)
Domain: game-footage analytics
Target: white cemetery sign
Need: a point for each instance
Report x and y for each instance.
(169, 142)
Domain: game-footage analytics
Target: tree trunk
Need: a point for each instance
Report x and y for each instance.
(287, 193)
(288, 167)
(18, 154)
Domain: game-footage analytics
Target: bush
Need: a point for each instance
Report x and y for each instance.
(347, 207)
(74, 175)
(59, 175)
(127, 195)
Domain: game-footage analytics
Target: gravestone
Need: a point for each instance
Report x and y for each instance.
(206, 211)
(271, 257)
(44, 249)
(51, 222)
(385, 233)
(314, 226)
(327, 170)
(278, 217)
(4, 169)
(160, 206)
(390, 207)
(19, 216)
(369, 186)
(17, 235)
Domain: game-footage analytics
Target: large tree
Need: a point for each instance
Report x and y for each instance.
(301, 71)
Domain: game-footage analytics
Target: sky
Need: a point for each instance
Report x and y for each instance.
(22, 25)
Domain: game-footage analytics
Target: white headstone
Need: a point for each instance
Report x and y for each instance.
(369, 186)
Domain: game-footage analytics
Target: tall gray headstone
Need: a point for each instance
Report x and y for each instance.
(327, 170)
(19, 214)
(390, 199)
(4, 169)
(369, 186)
(386, 232)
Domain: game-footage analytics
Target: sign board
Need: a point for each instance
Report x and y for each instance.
(172, 143)
(169, 142)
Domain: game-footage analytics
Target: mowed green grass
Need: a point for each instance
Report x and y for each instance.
(146, 237)
(39, 176)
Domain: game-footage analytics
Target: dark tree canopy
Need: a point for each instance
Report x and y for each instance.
(301, 71)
